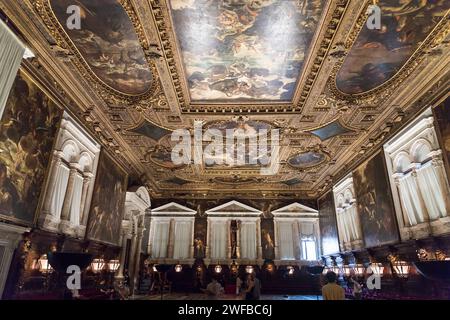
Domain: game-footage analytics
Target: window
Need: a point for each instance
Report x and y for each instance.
(286, 246)
(309, 251)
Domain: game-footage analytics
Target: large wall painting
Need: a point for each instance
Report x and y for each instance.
(28, 129)
(200, 230)
(375, 204)
(244, 49)
(108, 202)
(108, 43)
(442, 114)
(378, 55)
(328, 225)
(267, 239)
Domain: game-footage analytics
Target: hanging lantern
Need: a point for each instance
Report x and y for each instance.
(178, 268)
(97, 265)
(402, 268)
(377, 268)
(249, 269)
(359, 269)
(43, 265)
(113, 265)
(218, 268)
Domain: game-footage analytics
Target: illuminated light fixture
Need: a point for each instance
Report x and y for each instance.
(218, 268)
(377, 268)
(113, 265)
(43, 264)
(154, 268)
(249, 269)
(402, 268)
(178, 268)
(97, 265)
(291, 270)
(359, 269)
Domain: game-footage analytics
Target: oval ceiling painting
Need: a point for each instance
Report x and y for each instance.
(161, 154)
(379, 54)
(307, 159)
(108, 43)
(241, 127)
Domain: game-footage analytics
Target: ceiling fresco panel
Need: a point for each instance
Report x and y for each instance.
(238, 50)
(377, 55)
(108, 43)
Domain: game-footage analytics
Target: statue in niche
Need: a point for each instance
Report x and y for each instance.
(199, 248)
(235, 226)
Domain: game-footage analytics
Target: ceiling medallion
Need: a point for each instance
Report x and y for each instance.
(150, 129)
(292, 182)
(177, 181)
(330, 130)
(236, 179)
(161, 156)
(307, 160)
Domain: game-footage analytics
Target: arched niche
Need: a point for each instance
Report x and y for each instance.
(420, 151)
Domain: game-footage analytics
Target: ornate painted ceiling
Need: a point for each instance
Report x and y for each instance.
(137, 70)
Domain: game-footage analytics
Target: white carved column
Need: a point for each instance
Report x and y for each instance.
(438, 164)
(150, 237)
(357, 222)
(134, 275)
(406, 221)
(276, 231)
(192, 247)
(133, 249)
(87, 178)
(123, 254)
(65, 224)
(423, 208)
(258, 239)
(56, 162)
(228, 235)
(238, 239)
(208, 239)
(171, 241)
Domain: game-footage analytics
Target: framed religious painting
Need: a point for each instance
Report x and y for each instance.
(442, 116)
(28, 129)
(375, 203)
(108, 202)
(328, 225)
